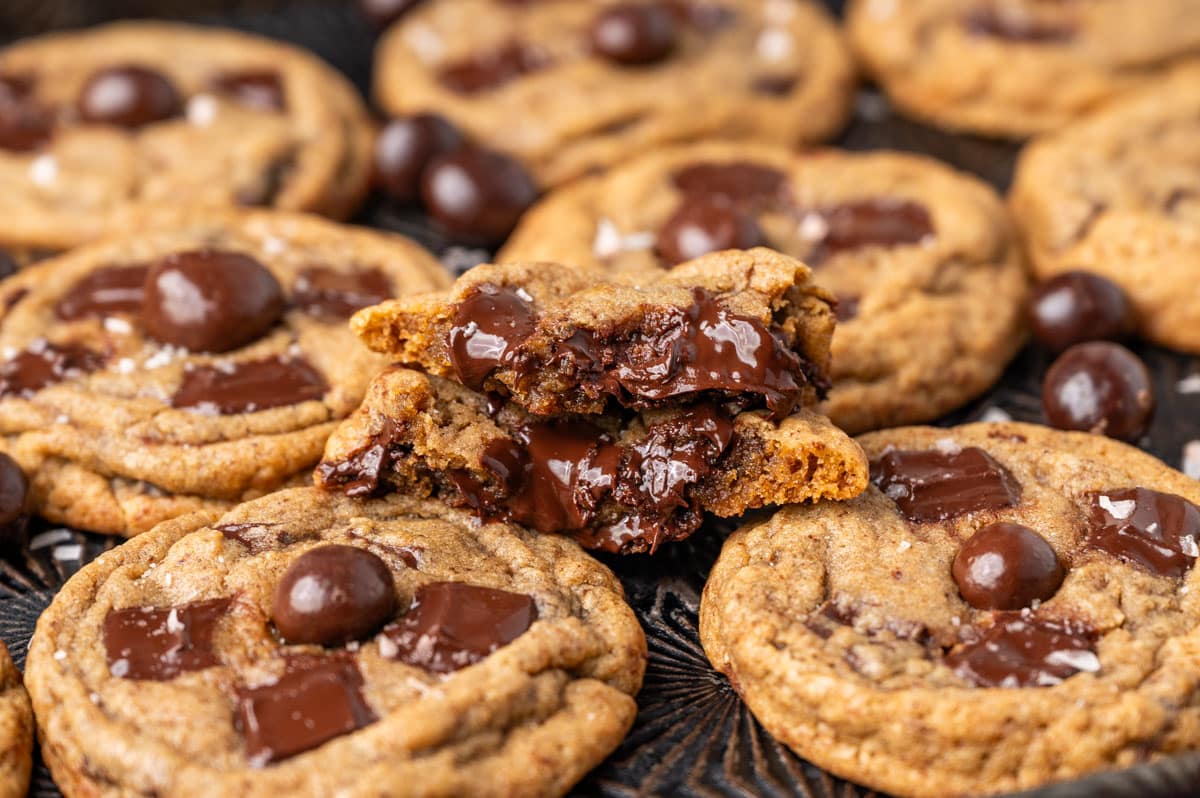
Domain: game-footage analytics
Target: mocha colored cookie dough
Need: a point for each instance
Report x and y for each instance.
(197, 359)
(1016, 67)
(16, 731)
(308, 644)
(98, 125)
(570, 87)
(1118, 194)
(1006, 607)
(923, 259)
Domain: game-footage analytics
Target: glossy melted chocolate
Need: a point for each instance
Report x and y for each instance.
(1157, 532)
(935, 485)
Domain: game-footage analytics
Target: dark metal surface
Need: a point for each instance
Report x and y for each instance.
(693, 737)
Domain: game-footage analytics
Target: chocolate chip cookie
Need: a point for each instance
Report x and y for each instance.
(1016, 67)
(619, 483)
(310, 644)
(567, 88)
(1118, 194)
(195, 360)
(913, 250)
(16, 731)
(1007, 606)
(97, 124)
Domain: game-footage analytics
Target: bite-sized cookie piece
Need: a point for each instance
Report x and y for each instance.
(618, 483)
(746, 327)
(1118, 194)
(310, 644)
(98, 124)
(569, 87)
(200, 357)
(913, 250)
(1007, 606)
(16, 731)
(1016, 67)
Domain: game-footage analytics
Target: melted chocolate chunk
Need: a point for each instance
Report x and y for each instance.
(104, 292)
(702, 225)
(1099, 387)
(489, 325)
(128, 96)
(45, 364)
(881, 222)
(1021, 650)
(634, 34)
(332, 595)
(1006, 567)
(24, 124)
(257, 537)
(935, 485)
(741, 182)
(14, 505)
(334, 296)
(317, 699)
(452, 625)
(160, 644)
(1015, 26)
(1158, 532)
(491, 70)
(260, 89)
(249, 386)
(360, 474)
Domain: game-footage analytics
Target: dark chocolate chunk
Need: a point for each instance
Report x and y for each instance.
(489, 325)
(1006, 567)
(1158, 532)
(249, 386)
(316, 699)
(477, 195)
(879, 222)
(634, 34)
(334, 296)
(935, 485)
(491, 70)
(1015, 25)
(741, 183)
(44, 364)
(259, 89)
(452, 625)
(702, 225)
(159, 644)
(1074, 307)
(406, 146)
(104, 292)
(128, 96)
(1099, 387)
(210, 300)
(332, 595)
(24, 124)
(361, 473)
(14, 505)
(1022, 650)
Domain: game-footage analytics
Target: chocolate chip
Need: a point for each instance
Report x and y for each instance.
(477, 194)
(45, 364)
(488, 327)
(452, 625)
(1026, 651)
(1015, 25)
(160, 644)
(104, 292)
(24, 124)
(1006, 567)
(493, 69)
(210, 300)
(741, 183)
(1158, 532)
(260, 89)
(128, 96)
(249, 386)
(14, 506)
(317, 699)
(382, 13)
(702, 225)
(879, 222)
(332, 595)
(405, 147)
(1101, 388)
(935, 485)
(334, 296)
(634, 33)
(1074, 307)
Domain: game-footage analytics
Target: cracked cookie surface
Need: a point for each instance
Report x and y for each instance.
(1009, 606)
(1118, 194)
(483, 660)
(99, 124)
(127, 406)
(913, 250)
(1016, 67)
(16, 730)
(533, 79)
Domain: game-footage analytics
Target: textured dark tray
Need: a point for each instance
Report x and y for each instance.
(693, 737)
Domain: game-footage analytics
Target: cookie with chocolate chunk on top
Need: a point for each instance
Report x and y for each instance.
(198, 359)
(1028, 599)
(309, 644)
